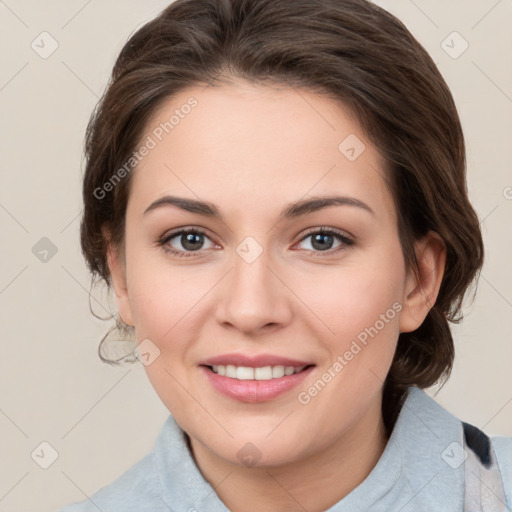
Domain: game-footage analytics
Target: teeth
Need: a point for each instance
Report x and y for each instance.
(288, 370)
(277, 371)
(260, 373)
(264, 373)
(244, 373)
(231, 371)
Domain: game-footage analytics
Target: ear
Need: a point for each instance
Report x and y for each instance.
(117, 268)
(421, 290)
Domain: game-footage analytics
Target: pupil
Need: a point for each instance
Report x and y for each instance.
(320, 238)
(191, 241)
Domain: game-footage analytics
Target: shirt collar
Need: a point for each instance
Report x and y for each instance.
(422, 461)
(422, 464)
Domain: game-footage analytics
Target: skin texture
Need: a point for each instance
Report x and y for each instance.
(253, 150)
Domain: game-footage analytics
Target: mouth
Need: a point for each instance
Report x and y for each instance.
(256, 373)
(254, 379)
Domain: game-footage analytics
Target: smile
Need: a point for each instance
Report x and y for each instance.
(255, 384)
(259, 373)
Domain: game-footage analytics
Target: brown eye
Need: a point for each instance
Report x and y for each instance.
(323, 240)
(186, 242)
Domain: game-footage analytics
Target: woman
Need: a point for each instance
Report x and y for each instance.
(313, 155)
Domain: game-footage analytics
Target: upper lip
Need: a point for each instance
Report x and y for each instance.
(256, 361)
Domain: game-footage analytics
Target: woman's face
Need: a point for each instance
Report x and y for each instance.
(255, 285)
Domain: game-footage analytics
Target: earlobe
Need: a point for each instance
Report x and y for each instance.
(118, 276)
(421, 290)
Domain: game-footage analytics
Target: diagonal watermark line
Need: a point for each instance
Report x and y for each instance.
(13, 13)
(410, 410)
(286, 491)
(280, 423)
(13, 279)
(14, 423)
(494, 498)
(424, 13)
(508, 401)
(301, 300)
(495, 289)
(197, 401)
(212, 80)
(489, 214)
(101, 398)
(75, 15)
(14, 76)
(486, 14)
(492, 81)
(379, 378)
(14, 485)
(380, 174)
(70, 222)
(88, 497)
(214, 487)
(296, 90)
(14, 218)
(80, 79)
(416, 494)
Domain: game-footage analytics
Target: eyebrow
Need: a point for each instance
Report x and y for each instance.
(293, 210)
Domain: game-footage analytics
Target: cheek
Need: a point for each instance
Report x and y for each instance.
(354, 297)
(158, 297)
(168, 307)
(163, 310)
(360, 304)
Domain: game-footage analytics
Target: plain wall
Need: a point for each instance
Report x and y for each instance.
(102, 419)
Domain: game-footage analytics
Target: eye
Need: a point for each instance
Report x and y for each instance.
(186, 242)
(323, 239)
(191, 241)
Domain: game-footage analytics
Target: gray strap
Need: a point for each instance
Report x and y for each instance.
(484, 486)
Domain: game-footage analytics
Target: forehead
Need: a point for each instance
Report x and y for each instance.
(251, 145)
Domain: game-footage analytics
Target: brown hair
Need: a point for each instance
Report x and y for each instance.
(358, 54)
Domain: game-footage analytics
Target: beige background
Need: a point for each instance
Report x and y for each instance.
(101, 419)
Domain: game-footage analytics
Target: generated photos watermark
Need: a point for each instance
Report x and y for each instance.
(150, 143)
(305, 397)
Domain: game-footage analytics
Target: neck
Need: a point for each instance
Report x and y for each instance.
(314, 483)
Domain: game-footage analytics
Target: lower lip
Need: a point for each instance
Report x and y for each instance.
(254, 390)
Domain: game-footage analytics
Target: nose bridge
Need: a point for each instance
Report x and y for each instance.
(254, 297)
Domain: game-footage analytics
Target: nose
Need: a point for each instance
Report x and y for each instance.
(255, 298)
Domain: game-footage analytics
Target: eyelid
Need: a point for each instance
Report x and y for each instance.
(165, 239)
(328, 229)
(204, 231)
(347, 240)
(186, 229)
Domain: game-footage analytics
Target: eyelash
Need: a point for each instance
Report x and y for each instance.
(346, 241)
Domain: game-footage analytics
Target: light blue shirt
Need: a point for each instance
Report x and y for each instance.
(420, 470)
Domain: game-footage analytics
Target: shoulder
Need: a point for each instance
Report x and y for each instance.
(137, 490)
(503, 449)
